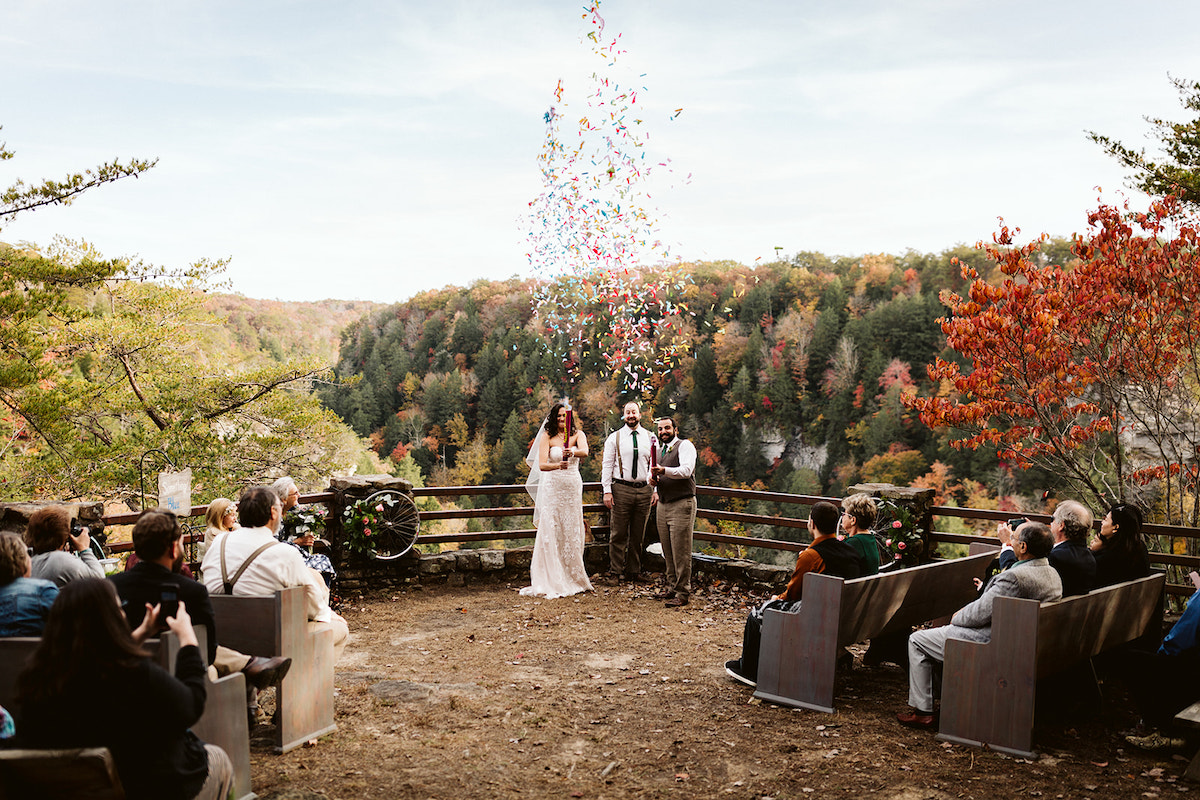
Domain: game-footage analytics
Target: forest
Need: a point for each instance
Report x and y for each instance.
(791, 378)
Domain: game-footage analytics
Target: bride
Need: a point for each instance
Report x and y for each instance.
(557, 491)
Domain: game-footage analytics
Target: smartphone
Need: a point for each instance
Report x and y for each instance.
(169, 601)
(1017, 522)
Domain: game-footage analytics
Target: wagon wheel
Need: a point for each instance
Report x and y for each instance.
(397, 523)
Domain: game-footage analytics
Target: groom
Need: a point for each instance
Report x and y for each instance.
(625, 476)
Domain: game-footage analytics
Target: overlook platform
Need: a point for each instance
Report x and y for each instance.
(477, 692)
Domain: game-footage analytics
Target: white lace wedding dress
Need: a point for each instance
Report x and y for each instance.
(557, 569)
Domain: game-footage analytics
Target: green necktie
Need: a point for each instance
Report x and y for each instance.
(633, 474)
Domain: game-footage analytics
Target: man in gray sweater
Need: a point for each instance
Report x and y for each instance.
(1031, 577)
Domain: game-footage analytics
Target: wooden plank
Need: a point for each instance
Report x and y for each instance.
(81, 774)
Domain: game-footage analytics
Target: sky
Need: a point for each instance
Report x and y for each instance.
(377, 149)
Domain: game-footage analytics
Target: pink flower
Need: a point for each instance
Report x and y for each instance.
(897, 524)
(901, 545)
(366, 531)
(379, 508)
(888, 542)
(897, 556)
(841, 538)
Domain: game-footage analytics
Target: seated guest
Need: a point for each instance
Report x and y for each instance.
(221, 518)
(1031, 576)
(87, 644)
(156, 578)
(1163, 683)
(1119, 550)
(251, 562)
(1070, 526)
(24, 601)
(825, 555)
(59, 555)
(858, 515)
(290, 530)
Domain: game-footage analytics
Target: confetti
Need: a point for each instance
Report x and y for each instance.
(607, 285)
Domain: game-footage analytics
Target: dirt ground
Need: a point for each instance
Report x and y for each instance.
(478, 692)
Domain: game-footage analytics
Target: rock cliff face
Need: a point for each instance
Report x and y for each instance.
(801, 454)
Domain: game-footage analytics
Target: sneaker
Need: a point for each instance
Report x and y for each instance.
(1155, 741)
(734, 670)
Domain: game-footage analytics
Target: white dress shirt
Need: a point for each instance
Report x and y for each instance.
(687, 458)
(278, 567)
(624, 471)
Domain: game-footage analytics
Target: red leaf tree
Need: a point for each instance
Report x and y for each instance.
(1090, 371)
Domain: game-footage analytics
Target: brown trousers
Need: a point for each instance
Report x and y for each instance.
(675, 523)
(627, 531)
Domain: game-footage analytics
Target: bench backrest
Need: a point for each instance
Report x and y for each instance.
(87, 774)
(1077, 628)
(267, 625)
(895, 601)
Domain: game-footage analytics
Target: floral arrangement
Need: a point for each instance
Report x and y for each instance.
(360, 527)
(898, 532)
(306, 520)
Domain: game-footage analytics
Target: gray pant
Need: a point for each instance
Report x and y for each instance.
(219, 782)
(631, 507)
(926, 653)
(675, 522)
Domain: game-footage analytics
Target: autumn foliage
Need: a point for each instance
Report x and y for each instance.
(1089, 370)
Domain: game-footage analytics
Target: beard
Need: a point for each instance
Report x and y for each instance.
(631, 424)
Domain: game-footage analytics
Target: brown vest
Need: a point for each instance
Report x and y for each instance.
(671, 489)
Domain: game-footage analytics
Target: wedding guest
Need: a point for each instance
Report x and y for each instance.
(290, 530)
(221, 518)
(59, 555)
(87, 644)
(1119, 550)
(858, 515)
(1031, 576)
(825, 555)
(24, 601)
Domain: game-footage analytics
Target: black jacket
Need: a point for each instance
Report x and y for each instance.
(144, 583)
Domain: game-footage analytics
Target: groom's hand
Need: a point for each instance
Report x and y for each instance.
(608, 499)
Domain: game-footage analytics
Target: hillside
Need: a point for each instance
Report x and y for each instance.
(790, 378)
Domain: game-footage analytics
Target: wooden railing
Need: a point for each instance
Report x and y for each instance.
(1182, 563)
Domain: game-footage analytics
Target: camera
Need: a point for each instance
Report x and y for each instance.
(1017, 522)
(97, 535)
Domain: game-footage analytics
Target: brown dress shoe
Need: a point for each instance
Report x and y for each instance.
(263, 672)
(662, 595)
(676, 602)
(917, 719)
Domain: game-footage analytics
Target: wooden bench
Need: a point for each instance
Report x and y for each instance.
(798, 656)
(988, 688)
(277, 625)
(224, 720)
(59, 775)
(1190, 717)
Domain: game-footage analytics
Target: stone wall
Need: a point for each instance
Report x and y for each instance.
(468, 567)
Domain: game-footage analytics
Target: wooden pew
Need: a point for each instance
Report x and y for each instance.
(988, 688)
(59, 775)
(224, 720)
(277, 625)
(799, 651)
(1190, 717)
